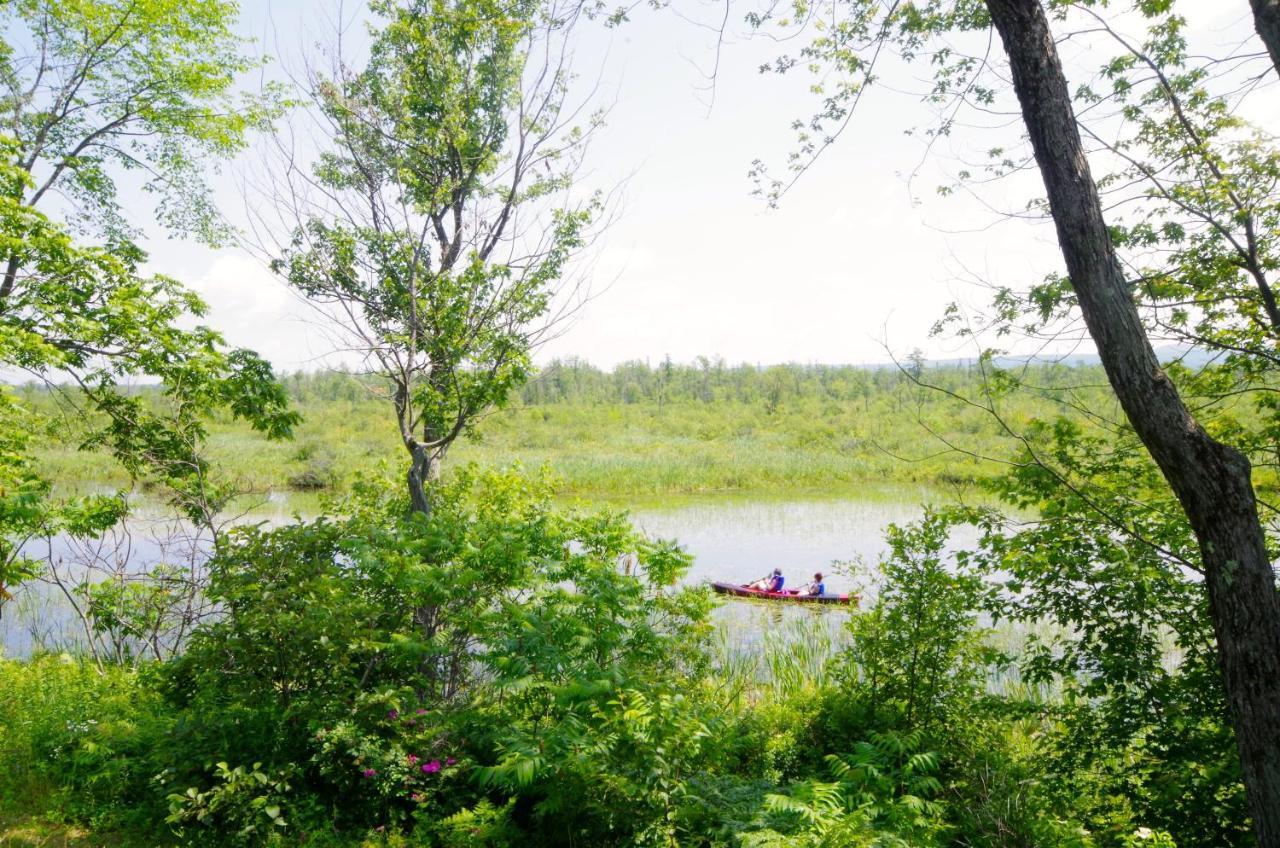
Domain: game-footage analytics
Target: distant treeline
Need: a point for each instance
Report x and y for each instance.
(712, 380)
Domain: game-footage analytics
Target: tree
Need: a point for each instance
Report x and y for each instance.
(1210, 479)
(86, 315)
(96, 89)
(1266, 18)
(915, 363)
(438, 221)
(91, 90)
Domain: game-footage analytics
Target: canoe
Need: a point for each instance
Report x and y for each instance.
(743, 592)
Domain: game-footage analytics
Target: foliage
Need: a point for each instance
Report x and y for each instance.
(485, 825)
(95, 89)
(84, 313)
(611, 762)
(91, 90)
(143, 614)
(82, 738)
(247, 801)
(881, 797)
(477, 665)
(836, 431)
(1190, 192)
(23, 497)
(1001, 788)
(917, 655)
(392, 656)
(436, 149)
(591, 708)
(1134, 652)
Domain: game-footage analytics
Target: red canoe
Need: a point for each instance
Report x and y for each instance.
(743, 592)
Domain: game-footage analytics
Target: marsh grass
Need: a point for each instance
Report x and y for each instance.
(771, 657)
(778, 657)
(815, 437)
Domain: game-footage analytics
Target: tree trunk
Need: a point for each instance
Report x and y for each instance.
(424, 470)
(1211, 480)
(1266, 20)
(10, 278)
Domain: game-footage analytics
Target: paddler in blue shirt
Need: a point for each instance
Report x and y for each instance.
(772, 583)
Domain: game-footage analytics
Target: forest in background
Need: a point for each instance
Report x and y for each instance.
(647, 432)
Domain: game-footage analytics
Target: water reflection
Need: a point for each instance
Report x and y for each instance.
(733, 540)
(740, 541)
(50, 612)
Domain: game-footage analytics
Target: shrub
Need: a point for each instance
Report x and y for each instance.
(882, 795)
(247, 803)
(318, 471)
(389, 656)
(917, 655)
(85, 737)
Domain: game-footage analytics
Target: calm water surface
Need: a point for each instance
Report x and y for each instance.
(736, 540)
(740, 541)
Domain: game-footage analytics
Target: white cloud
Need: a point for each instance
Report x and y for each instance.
(252, 308)
(695, 265)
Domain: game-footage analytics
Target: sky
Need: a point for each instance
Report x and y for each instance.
(857, 262)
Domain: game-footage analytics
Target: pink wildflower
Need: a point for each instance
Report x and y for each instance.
(431, 767)
(450, 761)
(412, 758)
(370, 772)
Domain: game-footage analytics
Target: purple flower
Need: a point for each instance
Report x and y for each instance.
(450, 761)
(431, 767)
(420, 711)
(412, 758)
(370, 772)
(392, 714)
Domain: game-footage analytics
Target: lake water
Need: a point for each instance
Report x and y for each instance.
(737, 540)
(740, 541)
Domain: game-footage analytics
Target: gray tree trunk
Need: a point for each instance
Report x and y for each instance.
(1266, 20)
(10, 278)
(1211, 480)
(424, 470)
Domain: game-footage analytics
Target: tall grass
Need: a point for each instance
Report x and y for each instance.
(790, 656)
(604, 451)
(779, 655)
(62, 718)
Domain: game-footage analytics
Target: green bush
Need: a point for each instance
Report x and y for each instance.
(917, 656)
(882, 794)
(404, 667)
(85, 742)
(247, 803)
(505, 672)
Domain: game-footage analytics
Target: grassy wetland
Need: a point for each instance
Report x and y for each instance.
(640, 434)
(461, 600)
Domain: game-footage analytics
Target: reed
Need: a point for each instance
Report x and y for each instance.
(608, 450)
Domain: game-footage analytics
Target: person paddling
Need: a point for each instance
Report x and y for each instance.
(817, 587)
(772, 583)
